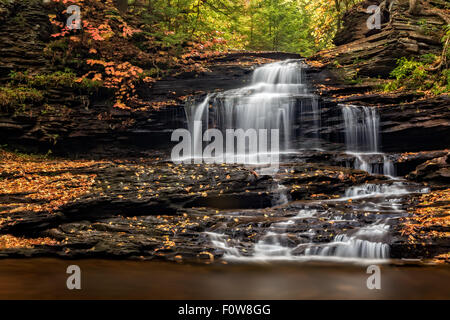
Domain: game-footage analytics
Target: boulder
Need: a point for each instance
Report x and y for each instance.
(435, 172)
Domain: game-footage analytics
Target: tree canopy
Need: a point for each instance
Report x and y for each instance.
(119, 42)
(300, 26)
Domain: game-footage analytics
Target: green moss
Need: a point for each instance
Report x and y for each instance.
(356, 81)
(409, 73)
(426, 27)
(27, 155)
(17, 97)
(391, 86)
(58, 79)
(443, 85)
(357, 60)
(55, 79)
(337, 64)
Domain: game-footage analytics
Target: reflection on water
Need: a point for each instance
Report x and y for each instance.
(107, 279)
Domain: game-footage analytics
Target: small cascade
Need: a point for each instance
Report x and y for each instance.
(362, 138)
(388, 167)
(272, 246)
(280, 196)
(219, 241)
(372, 241)
(361, 128)
(366, 243)
(396, 188)
(276, 96)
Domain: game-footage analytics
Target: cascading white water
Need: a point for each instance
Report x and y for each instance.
(276, 93)
(356, 246)
(269, 102)
(371, 190)
(370, 242)
(366, 244)
(362, 139)
(361, 128)
(271, 246)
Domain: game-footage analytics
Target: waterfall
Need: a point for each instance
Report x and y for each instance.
(362, 139)
(356, 246)
(365, 244)
(361, 128)
(276, 96)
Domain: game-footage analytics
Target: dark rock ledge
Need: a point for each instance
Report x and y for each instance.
(134, 209)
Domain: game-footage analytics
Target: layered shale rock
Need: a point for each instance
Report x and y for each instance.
(374, 52)
(435, 171)
(352, 72)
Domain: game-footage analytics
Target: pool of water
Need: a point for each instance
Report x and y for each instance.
(112, 279)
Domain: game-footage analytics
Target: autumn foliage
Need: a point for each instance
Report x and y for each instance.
(119, 55)
(429, 221)
(39, 185)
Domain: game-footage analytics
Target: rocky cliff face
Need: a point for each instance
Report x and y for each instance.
(154, 210)
(374, 52)
(71, 122)
(75, 123)
(24, 32)
(352, 72)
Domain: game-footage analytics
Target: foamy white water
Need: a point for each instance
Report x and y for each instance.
(362, 139)
(365, 245)
(278, 92)
(267, 103)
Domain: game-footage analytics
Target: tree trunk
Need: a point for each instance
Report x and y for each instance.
(337, 4)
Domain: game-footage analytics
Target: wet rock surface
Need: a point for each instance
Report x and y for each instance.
(153, 209)
(408, 162)
(82, 125)
(351, 73)
(158, 210)
(435, 171)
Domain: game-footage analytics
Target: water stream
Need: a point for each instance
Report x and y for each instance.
(362, 243)
(362, 139)
(278, 98)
